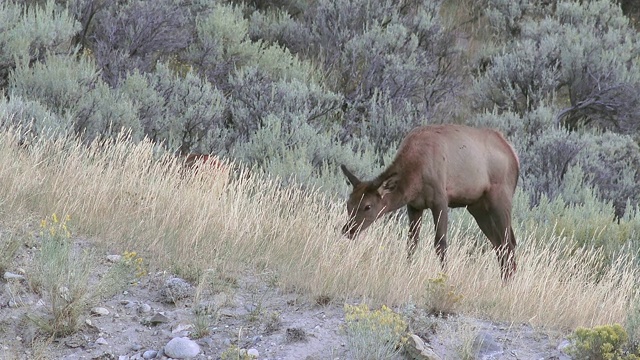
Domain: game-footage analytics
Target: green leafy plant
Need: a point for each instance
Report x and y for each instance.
(606, 342)
(377, 334)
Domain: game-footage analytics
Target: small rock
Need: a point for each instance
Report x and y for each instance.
(150, 354)
(251, 308)
(564, 345)
(157, 319)
(181, 327)
(253, 353)
(123, 357)
(114, 258)
(100, 311)
(181, 348)
(12, 276)
(101, 341)
(144, 308)
(418, 350)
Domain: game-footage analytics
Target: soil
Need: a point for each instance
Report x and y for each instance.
(246, 312)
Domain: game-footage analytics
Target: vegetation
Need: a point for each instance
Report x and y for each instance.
(601, 343)
(377, 334)
(103, 94)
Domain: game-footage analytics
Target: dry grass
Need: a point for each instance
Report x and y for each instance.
(122, 196)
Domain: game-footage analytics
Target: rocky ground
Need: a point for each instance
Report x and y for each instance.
(154, 318)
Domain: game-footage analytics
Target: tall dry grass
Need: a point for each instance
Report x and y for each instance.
(124, 197)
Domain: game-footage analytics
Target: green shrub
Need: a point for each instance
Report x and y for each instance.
(185, 112)
(31, 118)
(71, 88)
(606, 342)
(28, 33)
(581, 54)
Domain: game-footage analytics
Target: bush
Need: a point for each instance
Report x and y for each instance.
(134, 36)
(604, 342)
(71, 88)
(222, 46)
(385, 59)
(183, 111)
(31, 119)
(441, 298)
(377, 334)
(582, 53)
(28, 33)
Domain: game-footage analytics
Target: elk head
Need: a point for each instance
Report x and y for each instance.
(367, 201)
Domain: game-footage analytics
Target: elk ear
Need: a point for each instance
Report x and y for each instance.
(353, 180)
(388, 185)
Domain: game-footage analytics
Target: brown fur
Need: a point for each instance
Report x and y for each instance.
(195, 160)
(438, 167)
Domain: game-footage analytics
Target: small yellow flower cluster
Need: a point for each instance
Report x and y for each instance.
(381, 320)
(131, 258)
(55, 228)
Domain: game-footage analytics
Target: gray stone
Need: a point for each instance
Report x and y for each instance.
(181, 348)
(253, 353)
(418, 350)
(12, 276)
(114, 258)
(150, 354)
(100, 311)
(144, 308)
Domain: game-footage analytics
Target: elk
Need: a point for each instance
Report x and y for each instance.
(205, 162)
(438, 167)
(194, 160)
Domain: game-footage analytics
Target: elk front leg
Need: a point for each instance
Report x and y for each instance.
(415, 222)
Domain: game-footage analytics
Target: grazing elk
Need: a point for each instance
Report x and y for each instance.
(205, 162)
(194, 160)
(439, 167)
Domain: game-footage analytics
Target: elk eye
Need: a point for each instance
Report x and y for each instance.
(367, 207)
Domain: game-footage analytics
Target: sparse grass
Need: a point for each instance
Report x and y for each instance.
(203, 316)
(126, 197)
(61, 274)
(9, 245)
(463, 335)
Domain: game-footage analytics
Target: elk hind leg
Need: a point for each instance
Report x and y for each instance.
(494, 219)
